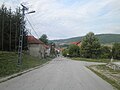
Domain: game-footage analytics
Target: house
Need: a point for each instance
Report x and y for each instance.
(77, 43)
(47, 51)
(36, 47)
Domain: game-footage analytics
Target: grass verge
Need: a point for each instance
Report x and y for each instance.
(92, 60)
(108, 74)
(8, 63)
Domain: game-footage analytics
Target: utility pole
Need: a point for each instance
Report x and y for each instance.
(22, 27)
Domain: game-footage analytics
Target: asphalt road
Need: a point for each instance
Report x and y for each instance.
(59, 74)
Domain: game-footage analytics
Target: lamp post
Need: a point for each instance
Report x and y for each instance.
(30, 12)
(21, 33)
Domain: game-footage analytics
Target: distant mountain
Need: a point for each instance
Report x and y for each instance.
(104, 39)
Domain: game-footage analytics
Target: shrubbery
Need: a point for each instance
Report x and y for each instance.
(65, 52)
(74, 51)
(116, 51)
(105, 52)
(91, 48)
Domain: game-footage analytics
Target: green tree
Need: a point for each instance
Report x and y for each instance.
(90, 47)
(74, 50)
(105, 52)
(116, 51)
(65, 52)
(10, 23)
(44, 38)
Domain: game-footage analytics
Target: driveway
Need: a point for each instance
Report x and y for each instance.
(59, 74)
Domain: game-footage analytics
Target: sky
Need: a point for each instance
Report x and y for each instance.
(60, 19)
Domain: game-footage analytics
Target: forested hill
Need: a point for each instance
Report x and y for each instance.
(104, 39)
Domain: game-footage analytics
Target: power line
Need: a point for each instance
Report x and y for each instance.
(26, 18)
(30, 24)
(29, 21)
(29, 32)
(15, 7)
(34, 24)
(32, 27)
(41, 23)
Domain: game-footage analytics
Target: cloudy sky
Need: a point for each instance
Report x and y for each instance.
(70, 18)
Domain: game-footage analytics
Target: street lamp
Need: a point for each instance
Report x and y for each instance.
(30, 12)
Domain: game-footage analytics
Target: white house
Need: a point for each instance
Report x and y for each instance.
(36, 47)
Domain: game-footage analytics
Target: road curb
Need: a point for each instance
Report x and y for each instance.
(20, 73)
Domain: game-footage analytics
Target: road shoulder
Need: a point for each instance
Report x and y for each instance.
(106, 73)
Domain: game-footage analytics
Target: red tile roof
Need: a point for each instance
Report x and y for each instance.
(46, 46)
(33, 40)
(76, 43)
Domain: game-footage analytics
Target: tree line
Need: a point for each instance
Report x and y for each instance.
(10, 26)
(91, 48)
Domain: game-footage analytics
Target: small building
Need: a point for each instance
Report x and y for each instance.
(36, 47)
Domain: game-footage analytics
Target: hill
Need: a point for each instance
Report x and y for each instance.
(104, 39)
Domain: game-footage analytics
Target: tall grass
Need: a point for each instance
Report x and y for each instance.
(8, 63)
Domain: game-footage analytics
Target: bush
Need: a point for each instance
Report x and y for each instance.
(74, 51)
(105, 52)
(116, 51)
(65, 52)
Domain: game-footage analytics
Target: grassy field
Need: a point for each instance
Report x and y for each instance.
(108, 74)
(93, 60)
(8, 63)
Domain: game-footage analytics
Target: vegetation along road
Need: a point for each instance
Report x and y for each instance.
(59, 74)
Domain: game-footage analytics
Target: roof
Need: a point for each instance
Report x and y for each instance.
(76, 43)
(33, 40)
(46, 46)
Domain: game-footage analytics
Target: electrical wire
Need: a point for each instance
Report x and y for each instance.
(30, 22)
(32, 27)
(27, 20)
(33, 23)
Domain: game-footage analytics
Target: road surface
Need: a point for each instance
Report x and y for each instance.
(59, 74)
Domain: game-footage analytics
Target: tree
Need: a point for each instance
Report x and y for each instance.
(10, 23)
(44, 39)
(105, 52)
(74, 50)
(90, 47)
(116, 51)
(65, 52)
